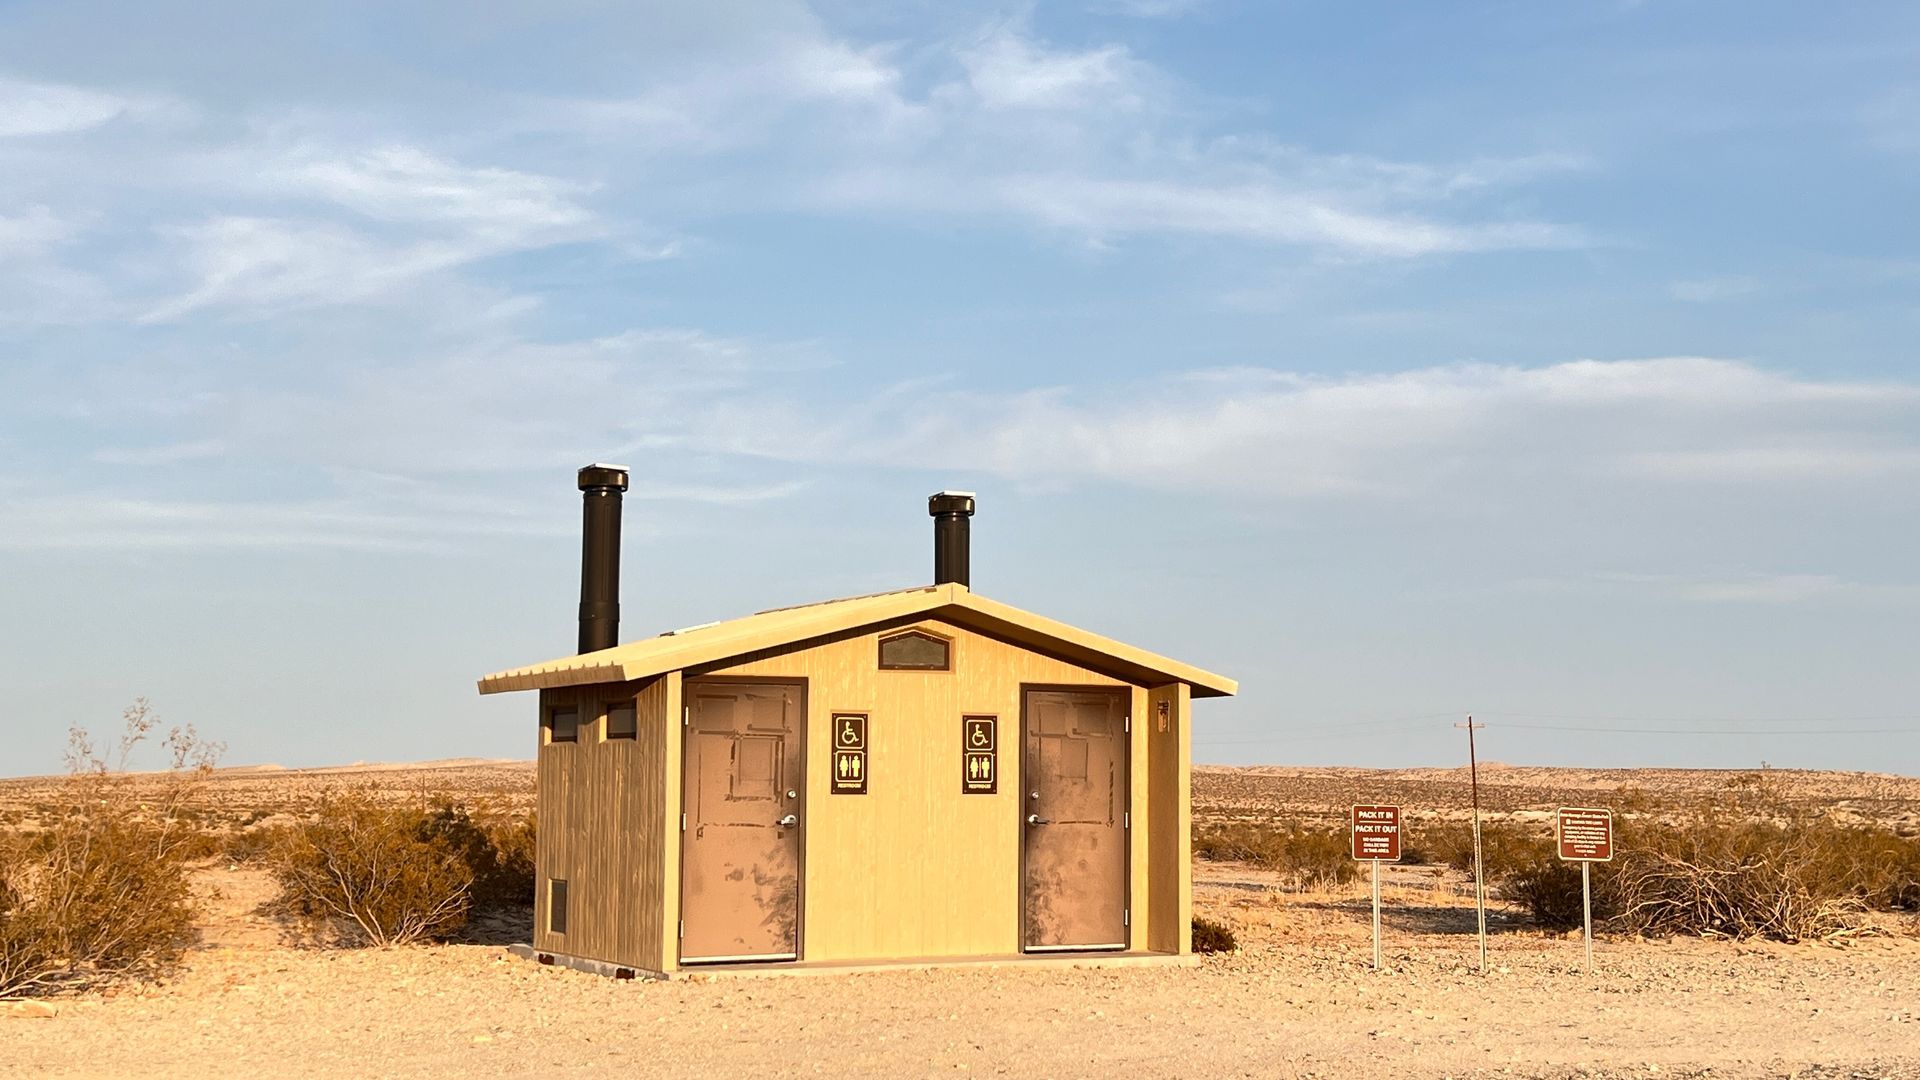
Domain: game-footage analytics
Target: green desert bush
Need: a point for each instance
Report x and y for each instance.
(1310, 856)
(1212, 937)
(100, 890)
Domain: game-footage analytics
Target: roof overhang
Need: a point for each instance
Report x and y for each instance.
(717, 642)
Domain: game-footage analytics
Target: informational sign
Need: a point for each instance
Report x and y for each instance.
(1586, 834)
(979, 755)
(849, 754)
(1376, 833)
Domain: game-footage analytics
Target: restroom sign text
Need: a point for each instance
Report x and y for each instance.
(1376, 833)
(849, 754)
(979, 755)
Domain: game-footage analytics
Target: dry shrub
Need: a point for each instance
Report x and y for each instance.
(1752, 863)
(1506, 847)
(1311, 857)
(1212, 937)
(253, 844)
(101, 890)
(1550, 889)
(511, 883)
(367, 871)
(497, 849)
(1746, 863)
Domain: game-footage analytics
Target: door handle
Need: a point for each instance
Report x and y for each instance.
(789, 821)
(1036, 819)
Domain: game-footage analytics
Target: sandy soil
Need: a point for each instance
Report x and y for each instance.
(1298, 1000)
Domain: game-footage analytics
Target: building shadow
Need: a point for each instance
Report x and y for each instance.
(498, 926)
(1424, 918)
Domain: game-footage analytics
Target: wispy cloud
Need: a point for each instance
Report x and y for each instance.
(28, 109)
(1260, 212)
(411, 215)
(1009, 70)
(1419, 432)
(32, 232)
(1089, 141)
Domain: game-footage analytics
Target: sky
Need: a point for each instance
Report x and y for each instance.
(1553, 363)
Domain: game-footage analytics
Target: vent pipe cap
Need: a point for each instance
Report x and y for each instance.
(603, 477)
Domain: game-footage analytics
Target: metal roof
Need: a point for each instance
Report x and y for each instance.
(716, 642)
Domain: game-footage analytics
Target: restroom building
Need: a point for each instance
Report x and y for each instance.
(924, 774)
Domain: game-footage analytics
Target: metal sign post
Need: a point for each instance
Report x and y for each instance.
(1479, 871)
(1586, 837)
(1376, 914)
(1376, 839)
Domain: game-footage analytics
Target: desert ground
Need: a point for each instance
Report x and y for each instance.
(1298, 999)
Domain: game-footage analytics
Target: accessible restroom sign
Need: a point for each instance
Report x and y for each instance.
(849, 754)
(979, 755)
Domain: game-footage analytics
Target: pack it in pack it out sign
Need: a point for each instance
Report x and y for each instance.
(849, 754)
(979, 754)
(1586, 834)
(1376, 833)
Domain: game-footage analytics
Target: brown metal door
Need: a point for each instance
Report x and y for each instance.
(740, 853)
(1074, 771)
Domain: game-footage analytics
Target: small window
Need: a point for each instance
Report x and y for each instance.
(556, 906)
(914, 651)
(620, 720)
(563, 723)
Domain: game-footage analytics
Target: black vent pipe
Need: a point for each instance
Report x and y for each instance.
(601, 487)
(950, 511)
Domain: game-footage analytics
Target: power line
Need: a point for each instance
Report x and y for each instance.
(1906, 719)
(1520, 722)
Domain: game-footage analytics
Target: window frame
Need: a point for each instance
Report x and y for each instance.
(553, 729)
(606, 720)
(946, 646)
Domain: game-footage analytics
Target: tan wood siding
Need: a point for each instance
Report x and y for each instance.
(1169, 872)
(914, 868)
(602, 807)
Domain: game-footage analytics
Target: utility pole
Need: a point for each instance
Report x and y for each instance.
(1479, 869)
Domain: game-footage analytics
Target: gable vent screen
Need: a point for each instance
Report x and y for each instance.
(915, 651)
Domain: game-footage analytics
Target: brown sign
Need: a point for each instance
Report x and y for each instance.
(1586, 834)
(1376, 833)
(849, 754)
(979, 755)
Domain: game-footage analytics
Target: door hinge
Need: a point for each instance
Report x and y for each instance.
(1126, 725)
(1126, 918)
(686, 716)
(1126, 820)
(683, 928)
(683, 821)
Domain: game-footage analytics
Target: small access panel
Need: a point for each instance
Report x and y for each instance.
(740, 853)
(1074, 820)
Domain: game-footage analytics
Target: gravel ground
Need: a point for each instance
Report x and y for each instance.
(1298, 1000)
